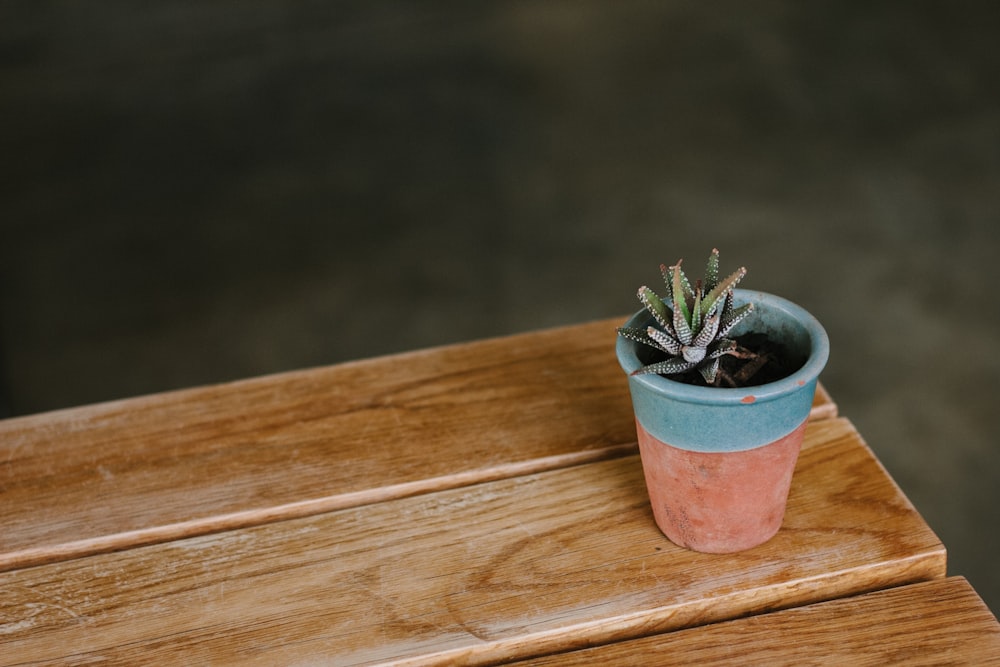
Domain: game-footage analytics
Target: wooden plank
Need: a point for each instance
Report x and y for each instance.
(823, 405)
(155, 468)
(159, 467)
(942, 622)
(512, 568)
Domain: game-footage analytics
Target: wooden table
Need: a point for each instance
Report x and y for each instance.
(475, 503)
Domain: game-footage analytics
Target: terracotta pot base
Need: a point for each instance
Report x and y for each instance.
(719, 502)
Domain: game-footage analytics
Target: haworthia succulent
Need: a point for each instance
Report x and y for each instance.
(691, 322)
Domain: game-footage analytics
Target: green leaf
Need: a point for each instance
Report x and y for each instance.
(654, 304)
(639, 336)
(668, 280)
(664, 340)
(722, 347)
(668, 367)
(682, 314)
(681, 328)
(696, 323)
(708, 332)
(731, 317)
(709, 371)
(724, 287)
(669, 274)
(653, 337)
(712, 270)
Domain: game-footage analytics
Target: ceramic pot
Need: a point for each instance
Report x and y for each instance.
(718, 462)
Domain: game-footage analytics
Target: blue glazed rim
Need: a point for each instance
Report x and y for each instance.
(774, 313)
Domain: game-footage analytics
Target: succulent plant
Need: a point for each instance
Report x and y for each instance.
(691, 322)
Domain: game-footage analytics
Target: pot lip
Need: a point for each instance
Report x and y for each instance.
(818, 355)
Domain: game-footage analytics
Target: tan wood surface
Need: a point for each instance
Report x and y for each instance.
(516, 567)
(162, 467)
(823, 405)
(935, 623)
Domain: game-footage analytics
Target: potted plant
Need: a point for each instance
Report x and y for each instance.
(722, 383)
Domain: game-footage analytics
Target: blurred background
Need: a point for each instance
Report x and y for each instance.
(193, 192)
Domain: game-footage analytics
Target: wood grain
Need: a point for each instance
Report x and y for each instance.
(823, 405)
(517, 567)
(156, 468)
(939, 623)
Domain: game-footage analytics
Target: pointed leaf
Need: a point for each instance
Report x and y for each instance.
(722, 347)
(668, 280)
(681, 328)
(696, 323)
(668, 367)
(630, 332)
(685, 290)
(682, 314)
(724, 287)
(640, 336)
(654, 304)
(709, 371)
(733, 317)
(679, 288)
(727, 306)
(708, 332)
(712, 270)
(664, 341)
